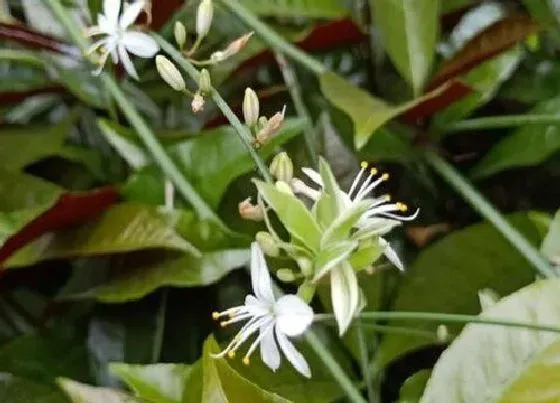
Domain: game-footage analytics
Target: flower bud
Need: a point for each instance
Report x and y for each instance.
(285, 275)
(237, 44)
(218, 56)
(305, 265)
(282, 167)
(442, 334)
(204, 17)
(284, 187)
(306, 291)
(204, 82)
(268, 244)
(250, 211)
(251, 107)
(180, 33)
(170, 74)
(263, 120)
(271, 127)
(197, 103)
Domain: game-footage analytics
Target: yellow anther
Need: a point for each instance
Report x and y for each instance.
(387, 197)
(385, 176)
(246, 360)
(363, 164)
(402, 207)
(215, 315)
(224, 324)
(373, 171)
(231, 354)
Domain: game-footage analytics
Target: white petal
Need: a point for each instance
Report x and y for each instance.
(294, 356)
(112, 9)
(293, 315)
(345, 295)
(313, 175)
(375, 226)
(140, 44)
(125, 60)
(260, 277)
(104, 26)
(269, 350)
(391, 254)
(131, 13)
(257, 307)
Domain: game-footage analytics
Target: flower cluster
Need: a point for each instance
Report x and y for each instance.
(261, 127)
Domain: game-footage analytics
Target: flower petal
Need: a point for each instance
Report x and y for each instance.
(345, 295)
(269, 350)
(391, 254)
(131, 13)
(260, 277)
(125, 60)
(294, 356)
(111, 10)
(313, 175)
(140, 44)
(293, 315)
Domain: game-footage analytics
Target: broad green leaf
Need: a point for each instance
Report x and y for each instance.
(332, 255)
(502, 364)
(527, 146)
(293, 214)
(330, 186)
(389, 145)
(409, 30)
(412, 389)
(123, 228)
(211, 161)
(161, 383)
(221, 383)
(447, 276)
(297, 8)
(14, 389)
(340, 228)
(83, 393)
(141, 274)
(551, 243)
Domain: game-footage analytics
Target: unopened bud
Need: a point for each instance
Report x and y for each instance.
(487, 298)
(204, 82)
(306, 291)
(271, 127)
(237, 44)
(250, 211)
(263, 120)
(285, 275)
(204, 17)
(442, 334)
(284, 187)
(218, 56)
(305, 265)
(170, 74)
(180, 33)
(251, 107)
(282, 167)
(197, 103)
(268, 244)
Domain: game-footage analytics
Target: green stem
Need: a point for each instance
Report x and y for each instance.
(479, 203)
(295, 92)
(160, 328)
(273, 39)
(22, 56)
(242, 130)
(502, 122)
(444, 318)
(335, 369)
(144, 132)
(364, 360)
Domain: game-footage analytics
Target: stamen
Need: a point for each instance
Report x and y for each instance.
(385, 176)
(363, 164)
(373, 171)
(402, 207)
(246, 360)
(216, 315)
(358, 177)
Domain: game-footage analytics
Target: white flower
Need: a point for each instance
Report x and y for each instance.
(273, 319)
(378, 220)
(118, 40)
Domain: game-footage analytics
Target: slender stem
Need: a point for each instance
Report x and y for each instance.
(364, 360)
(400, 330)
(160, 328)
(337, 372)
(242, 130)
(144, 132)
(501, 122)
(479, 203)
(273, 39)
(292, 83)
(445, 318)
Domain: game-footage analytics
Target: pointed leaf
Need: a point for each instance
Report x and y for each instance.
(14, 389)
(340, 228)
(331, 256)
(330, 185)
(83, 393)
(297, 8)
(551, 243)
(345, 295)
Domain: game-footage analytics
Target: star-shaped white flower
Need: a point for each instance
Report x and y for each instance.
(119, 39)
(273, 319)
(378, 220)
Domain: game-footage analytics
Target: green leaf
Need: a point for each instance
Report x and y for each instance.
(447, 276)
(412, 389)
(501, 364)
(340, 228)
(297, 8)
(551, 243)
(133, 154)
(123, 228)
(19, 390)
(221, 383)
(409, 30)
(293, 214)
(527, 146)
(546, 13)
(389, 145)
(162, 383)
(141, 274)
(331, 256)
(82, 393)
(330, 186)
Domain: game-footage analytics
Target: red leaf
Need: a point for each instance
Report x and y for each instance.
(35, 40)
(19, 96)
(71, 208)
(163, 10)
(492, 41)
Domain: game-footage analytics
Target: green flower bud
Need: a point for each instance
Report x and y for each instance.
(284, 187)
(180, 33)
(169, 73)
(204, 17)
(442, 334)
(282, 167)
(306, 291)
(285, 275)
(267, 244)
(305, 265)
(251, 107)
(197, 103)
(204, 81)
